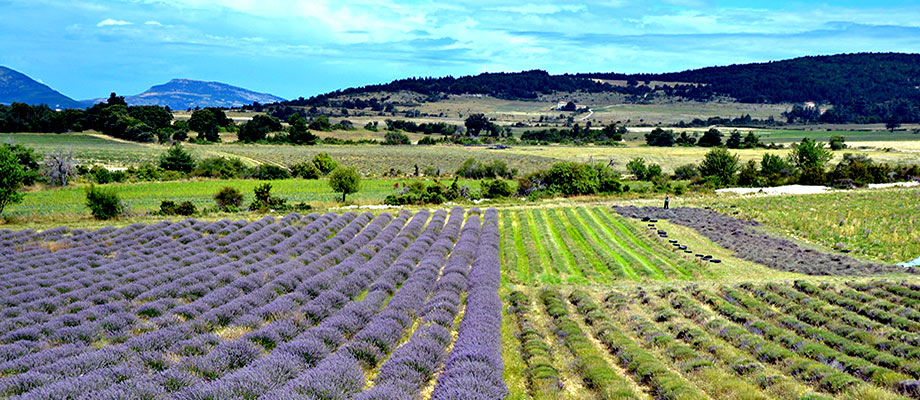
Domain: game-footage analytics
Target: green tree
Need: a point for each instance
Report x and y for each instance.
(205, 123)
(734, 140)
(258, 128)
(637, 167)
(11, 177)
(155, 117)
(749, 176)
(719, 166)
(177, 159)
(660, 138)
(345, 180)
(751, 141)
(324, 163)
(321, 123)
(28, 160)
(711, 138)
(477, 123)
(809, 155)
(298, 132)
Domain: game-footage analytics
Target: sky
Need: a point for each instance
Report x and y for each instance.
(86, 49)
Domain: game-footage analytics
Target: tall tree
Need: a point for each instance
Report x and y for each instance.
(205, 123)
(11, 175)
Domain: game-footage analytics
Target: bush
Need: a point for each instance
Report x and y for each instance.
(103, 204)
(838, 142)
(474, 169)
(228, 199)
(496, 188)
(264, 201)
(177, 159)
(186, 208)
(396, 138)
(749, 175)
(686, 172)
(427, 140)
(268, 172)
(305, 170)
(418, 193)
(220, 167)
(324, 163)
(168, 207)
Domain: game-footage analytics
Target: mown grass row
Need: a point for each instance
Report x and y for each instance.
(584, 245)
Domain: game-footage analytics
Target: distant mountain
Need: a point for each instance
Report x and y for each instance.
(17, 87)
(181, 94)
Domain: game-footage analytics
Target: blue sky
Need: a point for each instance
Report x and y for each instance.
(294, 48)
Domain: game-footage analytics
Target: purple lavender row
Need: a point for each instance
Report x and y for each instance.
(341, 373)
(474, 367)
(282, 365)
(57, 385)
(68, 330)
(215, 364)
(412, 365)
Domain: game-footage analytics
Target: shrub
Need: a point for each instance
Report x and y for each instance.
(345, 180)
(686, 172)
(177, 159)
(220, 167)
(168, 207)
(186, 208)
(427, 140)
(258, 128)
(324, 163)
(268, 172)
(838, 142)
(474, 169)
(264, 201)
(496, 188)
(103, 204)
(228, 199)
(637, 167)
(418, 193)
(305, 170)
(749, 175)
(809, 154)
(395, 138)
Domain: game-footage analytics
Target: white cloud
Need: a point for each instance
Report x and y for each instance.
(154, 23)
(540, 8)
(112, 22)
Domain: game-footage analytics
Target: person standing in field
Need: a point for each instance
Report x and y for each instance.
(667, 199)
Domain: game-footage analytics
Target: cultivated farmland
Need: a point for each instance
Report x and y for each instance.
(316, 306)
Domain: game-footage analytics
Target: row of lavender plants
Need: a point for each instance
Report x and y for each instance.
(317, 306)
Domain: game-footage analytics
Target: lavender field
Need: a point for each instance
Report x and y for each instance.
(303, 307)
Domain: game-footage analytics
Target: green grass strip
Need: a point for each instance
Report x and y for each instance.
(650, 269)
(663, 256)
(563, 262)
(585, 260)
(535, 246)
(592, 229)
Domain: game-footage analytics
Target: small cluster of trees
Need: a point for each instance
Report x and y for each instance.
(659, 137)
(609, 134)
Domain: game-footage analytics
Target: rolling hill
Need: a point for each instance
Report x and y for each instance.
(17, 87)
